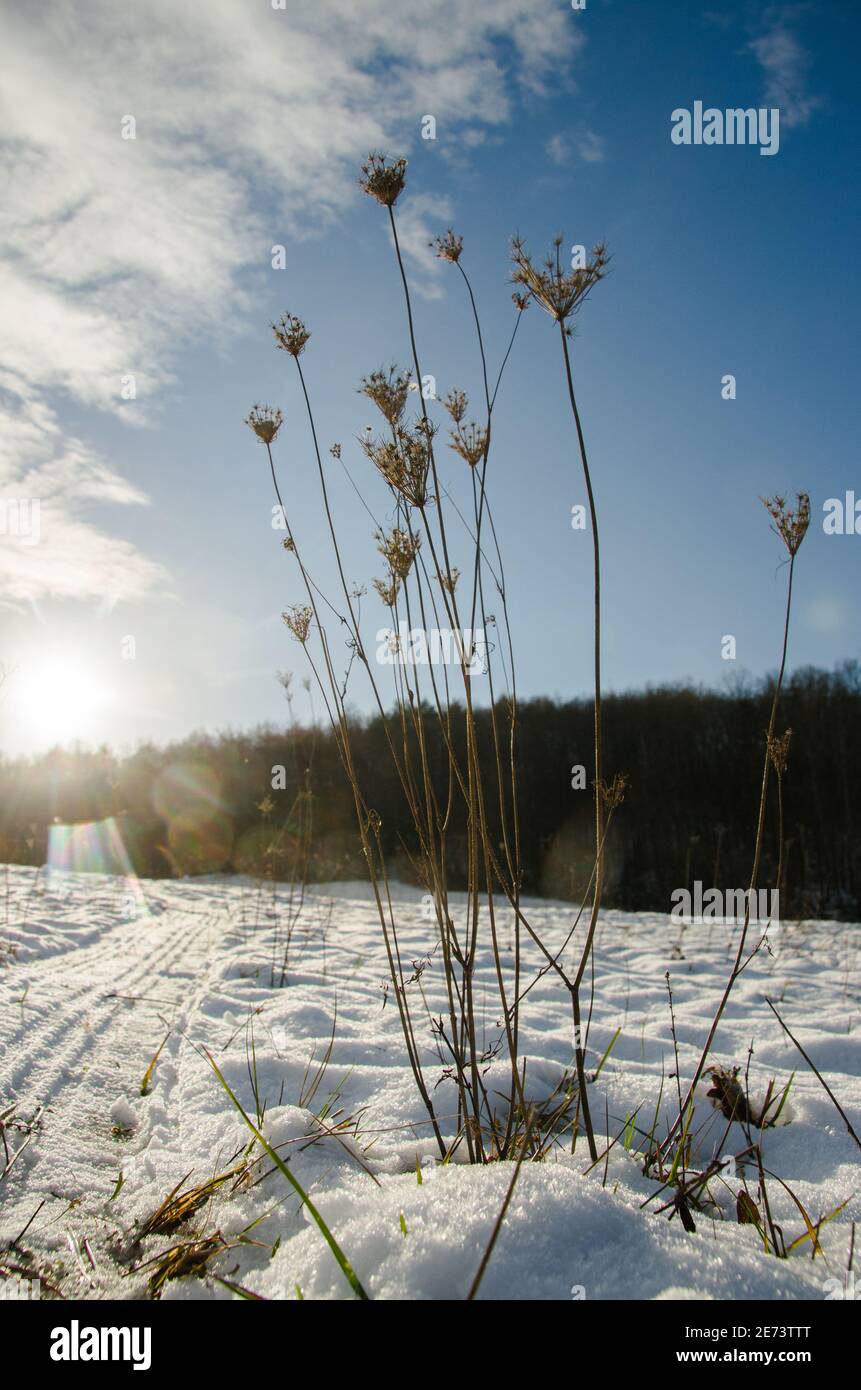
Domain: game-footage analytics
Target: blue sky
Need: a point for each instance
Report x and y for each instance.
(152, 257)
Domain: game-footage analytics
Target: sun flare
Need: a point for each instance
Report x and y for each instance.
(57, 699)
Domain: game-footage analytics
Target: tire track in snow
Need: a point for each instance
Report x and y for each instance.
(76, 1051)
(76, 987)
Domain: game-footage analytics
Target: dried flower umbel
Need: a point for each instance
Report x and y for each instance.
(404, 462)
(291, 335)
(389, 392)
(559, 292)
(449, 247)
(613, 794)
(383, 179)
(399, 549)
(778, 750)
(455, 403)
(265, 421)
(470, 441)
(298, 619)
(791, 525)
(388, 589)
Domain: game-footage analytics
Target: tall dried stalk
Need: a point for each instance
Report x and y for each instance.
(421, 583)
(560, 293)
(791, 526)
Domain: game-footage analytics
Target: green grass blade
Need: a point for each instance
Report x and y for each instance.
(783, 1099)
(344, 1264)
(239, 1289)
(680, 1150)
(611, 1044)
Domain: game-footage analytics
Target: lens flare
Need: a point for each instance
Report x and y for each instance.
(96, 847)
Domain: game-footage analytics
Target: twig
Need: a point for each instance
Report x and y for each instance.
(816, 1073)
(485, 1259)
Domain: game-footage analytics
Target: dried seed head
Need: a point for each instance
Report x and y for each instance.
(388, 391)
(382, 179)
(614, 794)
(385, 456)
(288, 543)
(559, 292)
(778, 751)
(470, 441)
(388, 589)
(520, 301)
(455, 403)
(449, 247)
(291, 335)
(335, 451)
(298, 619)
(404, 461)
(449, 581)
(791, 525)
(265, 422)
(399, 549)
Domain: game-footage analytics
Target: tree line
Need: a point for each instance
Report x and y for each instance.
(274, 801)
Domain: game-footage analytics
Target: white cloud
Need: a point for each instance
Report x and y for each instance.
(785, 63)
(562, 148)
(591, 147)
(116, 251)
(419, 221)
(47, 547)
(559, 149)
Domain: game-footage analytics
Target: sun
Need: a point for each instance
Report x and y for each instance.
(57, 698)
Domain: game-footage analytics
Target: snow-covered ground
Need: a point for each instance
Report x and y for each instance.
(96, 973)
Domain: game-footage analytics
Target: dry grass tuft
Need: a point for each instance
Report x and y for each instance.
(179, 1205)
(189, 1259)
